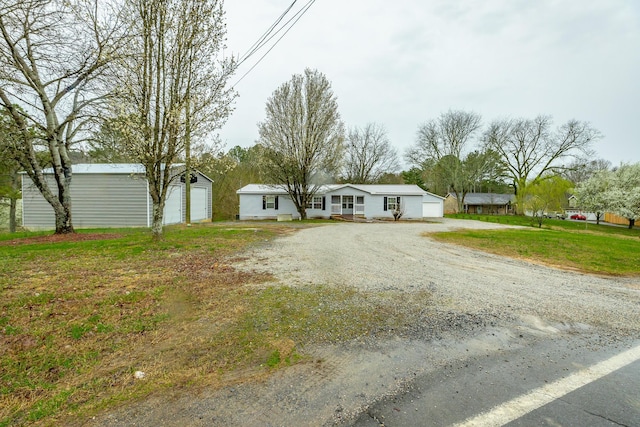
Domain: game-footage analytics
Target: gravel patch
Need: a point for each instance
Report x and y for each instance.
(482, 303)
(398, 257)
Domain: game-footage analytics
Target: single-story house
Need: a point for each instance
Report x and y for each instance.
(115, 195)
(260, 201)
(481, 203)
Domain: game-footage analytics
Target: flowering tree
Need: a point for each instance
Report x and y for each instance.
(302, 136)
(171, 86)
(624, 195)
(594, 193)
(617, 191)
(52, 55)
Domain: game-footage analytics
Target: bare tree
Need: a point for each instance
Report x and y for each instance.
(368, 155)
(302, 135)
(443, 148)
(172, 87)
(583, 168)
(51, 56)
(530, 148)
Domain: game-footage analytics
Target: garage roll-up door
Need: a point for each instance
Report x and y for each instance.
(173, 205)
(431, 209)
(198, 204)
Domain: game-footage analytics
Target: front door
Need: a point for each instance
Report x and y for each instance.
(347, 205)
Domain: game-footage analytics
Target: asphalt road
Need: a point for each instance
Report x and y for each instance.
(558, 382)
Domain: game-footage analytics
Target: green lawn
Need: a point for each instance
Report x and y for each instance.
(591, 248)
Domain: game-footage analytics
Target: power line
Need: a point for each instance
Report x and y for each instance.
(270, 34)
(260, 42)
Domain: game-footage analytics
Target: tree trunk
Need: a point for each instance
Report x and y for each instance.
(12, 215)
(156, 221)
(62, 211)
(632, 222)
(63, 220)
(302, 211)
(460, 201)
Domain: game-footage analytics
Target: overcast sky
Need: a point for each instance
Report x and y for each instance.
(402, 63)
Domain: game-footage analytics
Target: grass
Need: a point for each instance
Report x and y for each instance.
(78, 317)
(590, 248)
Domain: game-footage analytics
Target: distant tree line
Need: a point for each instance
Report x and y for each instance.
(303, 144)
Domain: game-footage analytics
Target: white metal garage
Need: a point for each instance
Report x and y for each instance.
(114, 195)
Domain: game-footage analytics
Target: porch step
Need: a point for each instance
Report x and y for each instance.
(348, 218)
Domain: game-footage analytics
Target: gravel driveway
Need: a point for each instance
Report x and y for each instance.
(398, 256)
(513, 301)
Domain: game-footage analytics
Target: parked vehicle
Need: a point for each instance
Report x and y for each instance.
(555, 215)
(579, 217)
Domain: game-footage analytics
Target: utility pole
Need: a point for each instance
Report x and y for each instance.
(187, 154)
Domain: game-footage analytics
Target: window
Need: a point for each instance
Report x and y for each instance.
(393, 203)
(269, 202)
(315, 203)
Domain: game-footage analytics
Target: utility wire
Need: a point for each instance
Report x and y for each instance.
(260, 42)
(267, 36)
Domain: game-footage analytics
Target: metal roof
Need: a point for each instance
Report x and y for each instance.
(102, 168)
(277, 189)
(487, 198)
(113, 168)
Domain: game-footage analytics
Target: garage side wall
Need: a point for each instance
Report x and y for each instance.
(374, 206)
(37, 213)
(97, 200)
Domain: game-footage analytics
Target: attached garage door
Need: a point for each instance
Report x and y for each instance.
(173, 205)
(431, 209)
(199, 204)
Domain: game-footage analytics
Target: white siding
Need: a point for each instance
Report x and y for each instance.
(251, 206)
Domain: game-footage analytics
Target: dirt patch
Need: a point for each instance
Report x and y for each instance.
(58, 238)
